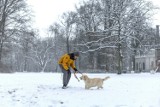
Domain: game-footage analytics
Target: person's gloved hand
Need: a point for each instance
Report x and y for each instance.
(75, 70)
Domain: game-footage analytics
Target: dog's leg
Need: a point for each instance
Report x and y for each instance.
(99, 87)
(87, 87)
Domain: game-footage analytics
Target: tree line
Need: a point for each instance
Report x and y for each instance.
(107, 33)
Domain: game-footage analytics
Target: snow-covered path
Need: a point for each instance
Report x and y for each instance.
(44, 90)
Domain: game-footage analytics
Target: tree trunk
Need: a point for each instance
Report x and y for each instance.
(119, 50)
(2, 28)
(1, 47)
(119, 59)
(68, 50)
(134, 61)
(95, 60)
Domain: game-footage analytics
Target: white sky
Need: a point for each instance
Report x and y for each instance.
(48, 11)
(157, 13)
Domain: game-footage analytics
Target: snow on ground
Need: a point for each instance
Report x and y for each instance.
(44, 90)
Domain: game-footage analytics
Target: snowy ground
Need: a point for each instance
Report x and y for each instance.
(44, 90)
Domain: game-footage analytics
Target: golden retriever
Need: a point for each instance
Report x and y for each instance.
(93, 82)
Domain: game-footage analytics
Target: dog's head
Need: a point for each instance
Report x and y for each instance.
(84, 77)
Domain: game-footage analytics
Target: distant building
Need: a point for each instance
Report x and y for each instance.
(149, 61)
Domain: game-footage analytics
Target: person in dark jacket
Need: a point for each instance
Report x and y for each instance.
(65, 62)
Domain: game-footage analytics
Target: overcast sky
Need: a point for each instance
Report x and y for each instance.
(48, 11)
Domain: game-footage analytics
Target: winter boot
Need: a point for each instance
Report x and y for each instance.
(64, 87)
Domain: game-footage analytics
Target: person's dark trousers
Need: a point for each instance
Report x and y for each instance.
(66, 76)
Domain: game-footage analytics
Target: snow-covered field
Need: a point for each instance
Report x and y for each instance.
(44, 90)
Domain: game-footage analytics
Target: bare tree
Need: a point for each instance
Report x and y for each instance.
(68, 20)
(118, 18)
(26, 43)
(59, 42)
(13, 17)
(41, 53)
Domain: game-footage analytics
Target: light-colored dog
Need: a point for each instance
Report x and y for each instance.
(93, 82)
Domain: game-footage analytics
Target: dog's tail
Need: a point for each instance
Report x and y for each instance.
(106, 78)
